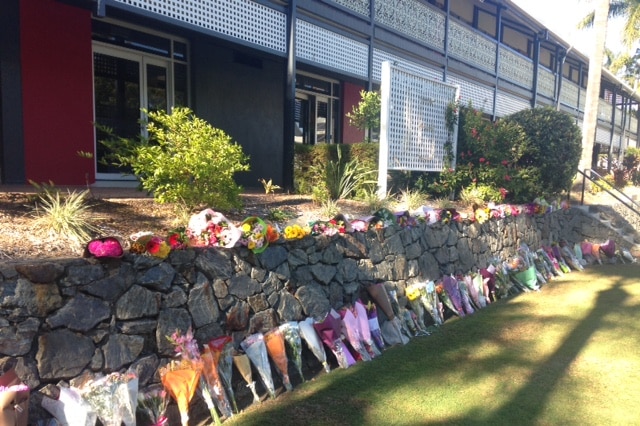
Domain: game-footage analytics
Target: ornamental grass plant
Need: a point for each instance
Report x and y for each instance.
(565, 355)
(65, 216)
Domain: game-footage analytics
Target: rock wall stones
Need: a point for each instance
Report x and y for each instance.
(59, 319)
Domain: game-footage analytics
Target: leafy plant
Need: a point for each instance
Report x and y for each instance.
(366, 114)
(269, 187)
(373, 202)
(184, 159)
(411, 199)
(279, 215)
(67, 217)
(344, 178)
(329, 208)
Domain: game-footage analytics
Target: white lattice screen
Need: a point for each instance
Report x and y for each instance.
(413, 129)
(242, 19)
(481, 97)
(379, 56)
(316, 44)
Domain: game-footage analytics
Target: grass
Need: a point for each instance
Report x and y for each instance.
(567, 355)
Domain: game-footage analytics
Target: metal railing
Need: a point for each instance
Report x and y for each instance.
(594, 178)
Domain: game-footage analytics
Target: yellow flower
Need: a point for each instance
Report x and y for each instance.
(251, 245)
(482, 215)
(246, 228)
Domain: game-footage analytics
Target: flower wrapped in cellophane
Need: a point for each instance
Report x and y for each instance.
(70, 408)
(181, 379)
(223, 348)
(413, 296)
(211, 374)
(242, 363)
(309, 334)
(152, 404)
(256, 350)
(113, 398)
(431, 302)
(274, 341)
(351, 329)
(149, 244)
(329, 331)
(472, 291)
(254, 234)
(191, 364)
(291, 333)
(466, 297)
(449, 293)
(522, 272)
(365, 329)
(374, 326)
(212, 229)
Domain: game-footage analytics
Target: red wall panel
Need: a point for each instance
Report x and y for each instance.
(351, 98)
(57, 83)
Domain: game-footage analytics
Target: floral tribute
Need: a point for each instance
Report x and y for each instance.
(254, 234)
(212, 229)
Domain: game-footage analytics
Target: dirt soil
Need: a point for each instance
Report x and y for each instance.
(126, 215)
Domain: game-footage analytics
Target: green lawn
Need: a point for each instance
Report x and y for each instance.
(566, 355)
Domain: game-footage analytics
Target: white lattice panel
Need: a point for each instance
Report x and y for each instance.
(379, 56)
(358, 6)
(569, 93)
(634, 123)
(242, 19)
(507, 104)
(619, 116)
(605, 110)
(413, 120)
(413, 18)
(603, 136)
(515, 68)
(481, 97)
(472, 47)
(316, 44)
(546, 82)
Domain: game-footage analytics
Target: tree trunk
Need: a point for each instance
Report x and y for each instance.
(593, 84)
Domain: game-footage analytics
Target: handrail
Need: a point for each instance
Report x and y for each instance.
(607, 189)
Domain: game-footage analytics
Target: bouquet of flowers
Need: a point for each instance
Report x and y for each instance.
(113, 398)
(147, 243)
(382, 218)
(365, 329)
(450, 295)
(273, 233)
(181, 379)
(328, 228)
(374, 326)
(153, 404)
(295, 232)
(256, 350)
(104, 247)
(329, 331)
(70, 408)
(254, 234)
(430, 301)
(242, 363)
(274, 341)
(308, 333)
(211, 374)
(211, 229)
(179, 376)
(222, 349)
(291, 333)
(466, 298)
(523, 274)
(351, 329)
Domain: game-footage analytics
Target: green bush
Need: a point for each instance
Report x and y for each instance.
(183, 160)
(533, 153)
(554, 147)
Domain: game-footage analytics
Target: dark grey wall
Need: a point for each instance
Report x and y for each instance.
(12, 168)
(243, 94)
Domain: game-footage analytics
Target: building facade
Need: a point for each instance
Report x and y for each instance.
(270, 73)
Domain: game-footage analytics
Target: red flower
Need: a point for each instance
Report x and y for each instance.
(482, 160)
(503, 192)
(505, 162)
(153, 246)
(507, 178)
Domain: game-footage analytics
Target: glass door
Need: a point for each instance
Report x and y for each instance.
(323, 118)
(125, 83)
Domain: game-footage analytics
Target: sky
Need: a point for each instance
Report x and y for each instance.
(562, 16)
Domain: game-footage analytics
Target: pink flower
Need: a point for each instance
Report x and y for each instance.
(507, 178)
(482, 160)
(505, 162)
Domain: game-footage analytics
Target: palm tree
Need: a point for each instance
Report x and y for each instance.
(593, 84)
(628, 9)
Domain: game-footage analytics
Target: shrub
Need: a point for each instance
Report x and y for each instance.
(184, 159)
(553, 147)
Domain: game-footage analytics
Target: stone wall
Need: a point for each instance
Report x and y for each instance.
(59, 319)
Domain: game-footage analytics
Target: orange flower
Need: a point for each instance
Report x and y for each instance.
(272, 234)
(274, 341)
